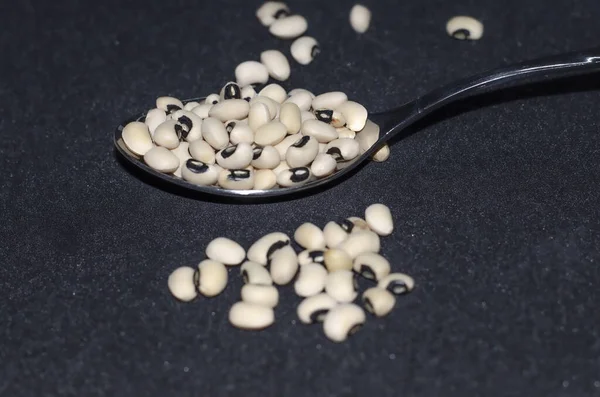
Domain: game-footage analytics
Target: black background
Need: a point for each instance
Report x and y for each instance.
(495, 199)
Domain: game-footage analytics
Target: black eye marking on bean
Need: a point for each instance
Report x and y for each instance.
(461, 34)
(317, 256)
(197, 278)
(281, 13)
(367, 272)
(237, 175)
(397, 287)
(316, 50)
(247, 99)
(197, 167)
(301, 142)
(318, 315)
(336, 153)
(369, 305)
(347, 225)
(232, 91)
(215, 102)
(180, 131)
(257, 152)
(276, 246)
(172, 108)
(299, 174)
(185, 120)
(228, 152)
(324, 115)
(230, 126)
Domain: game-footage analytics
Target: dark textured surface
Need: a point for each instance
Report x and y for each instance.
(496, 204)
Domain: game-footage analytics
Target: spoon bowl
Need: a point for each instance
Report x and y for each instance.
(390, 123)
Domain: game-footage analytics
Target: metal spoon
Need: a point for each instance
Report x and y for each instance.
(389, 124)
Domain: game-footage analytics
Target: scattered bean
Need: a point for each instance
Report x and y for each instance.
(251, 316)
(181, 284)
(255, 273)
(137, 138)
(211, 278)
(464, 28)
(263, 295)
(305, 49)
(397, 283)
(314, 309)
(276, 63)
(372, 266)
(360, 18)
(378, 301)
(343, 321)
(311, 280)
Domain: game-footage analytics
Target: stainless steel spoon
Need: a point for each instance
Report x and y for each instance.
(390, 123)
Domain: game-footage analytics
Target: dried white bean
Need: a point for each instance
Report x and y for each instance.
(168, 134)
(367, 136)
(190, 105)
(360, 242)
(265, 157)
(344, 132)
(239, 132)
(336, 259)
(235, 157)
(183, 154)
(323, 165)
(334, 234)
(341, 286)
(275, 92)
(267, 245)
(343, 321)
(236, 179)
(154, 118)
(200, 150)
(379, 218)
(212, 99)
(191, 124)
(264, 179)
(382, 154)
(271, 104)
(343, 149)
(309, 236)
(248, 92)
(230, 109)
(168, 104)
(323, 132)
(329, 100)
(293, 176)
(301, 98)
(202, 110)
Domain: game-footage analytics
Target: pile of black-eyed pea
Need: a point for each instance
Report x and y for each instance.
(254, 135)
(325, 273)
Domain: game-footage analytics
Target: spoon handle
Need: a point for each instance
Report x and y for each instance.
(540, 69)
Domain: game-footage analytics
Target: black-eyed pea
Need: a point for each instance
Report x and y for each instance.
(341, 286)
(336, 259)
(289, 27)
(302, 152)
(323, 132)
(225, 251)
(397, 283)
(248, 92)
(231, 90)
(236, 179)
(239, 132)
(343, 321)
(311, 280)
(211, 278)
(275, 92)
(309, 236)
(235, 157)
(354, 114)
(305, 49)
(137, 138)
(314, 309)
(343, 149)
(161, 159)
(360, 18)
(230, 109)
(311, 256)
(283, 265)
(329, 100)
(293, 176)
(382, 154)
(270, 134)
(265, 157)
(154, 118)
(379, 218)
(212, 99)
(267, 245)
(250, 316)
(303, 100)
(251, 72)
(323, 165)
(181, 283)
(255, 273)
(214, 133)
(371, 266)
(270, 11)
(334, 234)
(200, 173)
(263, 295)
(183, 154)
(291, 116)
(191, 124)
(168, 134)
(168, 104)
(264, 179)
(378, 301)
(283, 146)
(464, 28)
(360, 242)
(276, 63)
